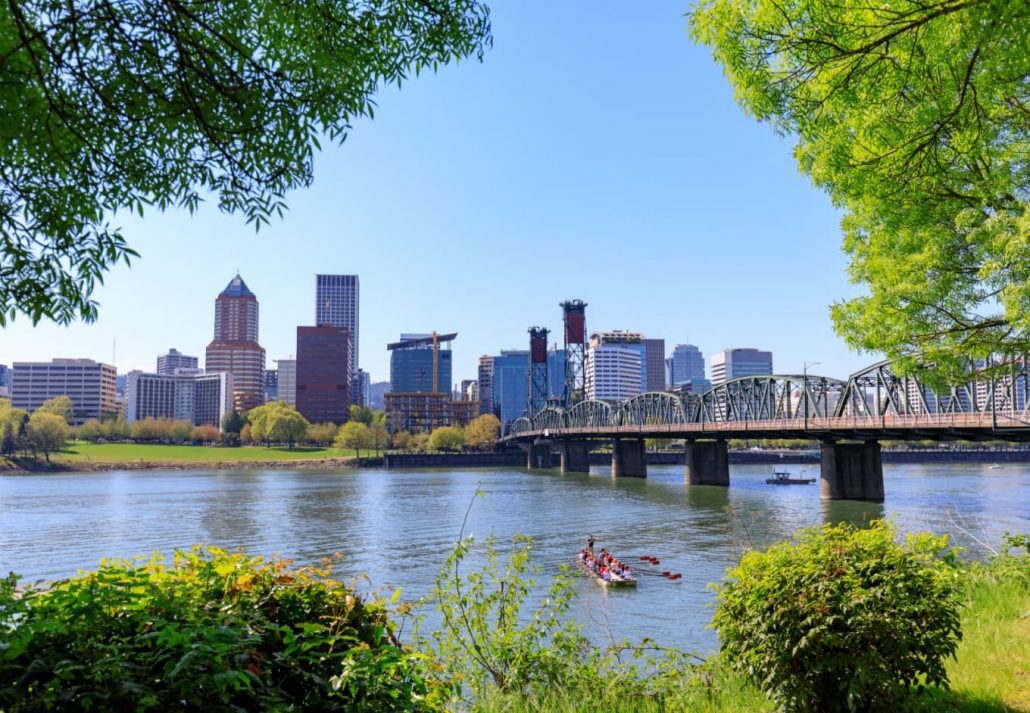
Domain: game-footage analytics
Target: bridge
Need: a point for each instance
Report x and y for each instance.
(849, 417)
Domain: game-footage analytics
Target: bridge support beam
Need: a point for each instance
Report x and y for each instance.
(575, 456)
(851, 471)
(707, 463)
(538, 456)
(629, 459)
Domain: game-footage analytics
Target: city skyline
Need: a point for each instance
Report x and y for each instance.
(678, 182)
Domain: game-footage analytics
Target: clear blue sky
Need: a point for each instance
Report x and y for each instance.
(596, 153)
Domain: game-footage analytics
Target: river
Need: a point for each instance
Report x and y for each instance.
(397, 526)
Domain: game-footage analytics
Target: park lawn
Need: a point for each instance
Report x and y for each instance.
(78, 452)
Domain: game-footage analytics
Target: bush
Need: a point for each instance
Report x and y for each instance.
(212, 631)
(845, 619)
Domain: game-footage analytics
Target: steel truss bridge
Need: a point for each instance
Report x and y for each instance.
(872, 405)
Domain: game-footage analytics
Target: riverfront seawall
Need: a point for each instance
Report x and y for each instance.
(517, 459)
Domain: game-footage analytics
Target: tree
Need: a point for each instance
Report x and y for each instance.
(60, 405)
(286, 425)
(180, 431)
(915, 118)
(322, 433)
(402, 440)
(233, 422)
(131, 105)
(47, 432)
(447, 438)
(13, 424)
(91, 430)
(361, 414)
(378, 437)
(482, 431)
(352, 435)
(205, 434)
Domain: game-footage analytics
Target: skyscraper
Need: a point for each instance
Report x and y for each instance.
(687, 367)
(336, 303)
(287, 381)
(735, 363)
(323, 384)
(235, 349)
(174, 359)
(654, 364)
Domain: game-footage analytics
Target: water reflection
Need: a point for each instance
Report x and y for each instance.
(398, 526)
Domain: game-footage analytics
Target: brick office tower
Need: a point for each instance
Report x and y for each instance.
(323, 381)
(235, 349)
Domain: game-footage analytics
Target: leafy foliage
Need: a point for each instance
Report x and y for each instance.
(447, 438)
(353, 434)
(843, 619)
(277, 422)
(60, 405)
(482, 431)
(107, 106)
(915, 118)
(46, 432)
(211, 631)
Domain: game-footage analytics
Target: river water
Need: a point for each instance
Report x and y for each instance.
(397, 526)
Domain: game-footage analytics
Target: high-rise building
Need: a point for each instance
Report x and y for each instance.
(5, 380)
(89, 384)
(631, 341)
(202, 399)
(613, 372)
(174, 359)
(287, 381)
(735, 363)
(323, 383)
(421, 363)
(509, 382)
(687, 366)
(469, 390)
(336, 303)
(377, 394)
(654, 364)
(486, 384)
(271, 385)
(235, 349)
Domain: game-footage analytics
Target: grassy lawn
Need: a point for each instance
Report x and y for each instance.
(158, 453)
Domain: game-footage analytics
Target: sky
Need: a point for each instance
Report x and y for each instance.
(596, 153)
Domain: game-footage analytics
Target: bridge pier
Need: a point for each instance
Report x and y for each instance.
(575, 456)
(538, 455)
(851, 471)
(629, 459)
(707, 463)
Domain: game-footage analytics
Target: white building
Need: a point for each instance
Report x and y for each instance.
(614, 372)
(198, 398)
(287, 381)
(336, 303)
(735, 363)
(174, 359)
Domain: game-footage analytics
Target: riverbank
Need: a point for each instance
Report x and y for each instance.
(99, 457)
(990, 672)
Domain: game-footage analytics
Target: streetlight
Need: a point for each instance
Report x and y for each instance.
(804, 386)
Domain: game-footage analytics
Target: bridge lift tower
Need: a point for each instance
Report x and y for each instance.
(575, 320)
(538, 390)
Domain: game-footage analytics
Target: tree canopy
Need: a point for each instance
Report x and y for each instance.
(915, 118)
(107, 106)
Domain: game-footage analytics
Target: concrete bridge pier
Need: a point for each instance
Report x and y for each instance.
(707, 463)
(629, 458)
(851, 471)
(538, 455)
(575, 456)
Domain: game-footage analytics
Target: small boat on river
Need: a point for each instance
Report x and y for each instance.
(604, 575)
(783, 477)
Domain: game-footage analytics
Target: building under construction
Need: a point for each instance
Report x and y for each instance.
(420, 397)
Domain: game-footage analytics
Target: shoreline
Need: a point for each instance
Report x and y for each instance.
(490, 459)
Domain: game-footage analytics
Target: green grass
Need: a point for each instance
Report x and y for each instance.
(989, 674)
(79, 452)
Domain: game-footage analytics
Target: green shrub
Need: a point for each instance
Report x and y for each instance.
(843, 619)
(211, 631)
